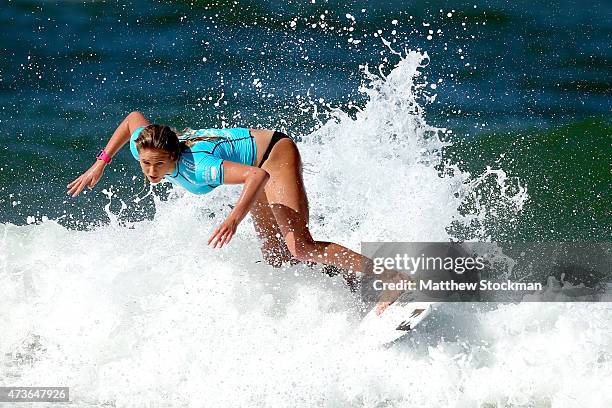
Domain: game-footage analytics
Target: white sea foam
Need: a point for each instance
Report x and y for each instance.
(148, 315)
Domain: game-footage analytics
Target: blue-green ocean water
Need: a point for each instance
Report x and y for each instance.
(525, 86)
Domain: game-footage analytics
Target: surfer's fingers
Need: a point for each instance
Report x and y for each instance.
(219, 242)
(213, 235)
(223, 238)
(222, 234)
(231, 230)
(75, 186)
(73, 181)
(227, 235)
(80, 187)
(85, 180)
(217, 235)
(93, 182)
(226, 238)
(70, 188)
(81, 182)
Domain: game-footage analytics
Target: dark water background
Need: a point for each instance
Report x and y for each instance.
(529, 80)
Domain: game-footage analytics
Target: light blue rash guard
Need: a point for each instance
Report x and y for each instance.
(200, 167)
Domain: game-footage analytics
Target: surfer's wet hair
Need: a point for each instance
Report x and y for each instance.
(168, 139)
(160, 137)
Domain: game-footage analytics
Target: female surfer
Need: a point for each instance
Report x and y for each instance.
(269, 166)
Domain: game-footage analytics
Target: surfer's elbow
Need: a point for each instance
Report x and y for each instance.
(255, 177)
(136, 116)
(261, 176)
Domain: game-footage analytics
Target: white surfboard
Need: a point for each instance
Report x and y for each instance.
(395, 321)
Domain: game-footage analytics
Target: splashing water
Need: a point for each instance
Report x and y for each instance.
(150, 316)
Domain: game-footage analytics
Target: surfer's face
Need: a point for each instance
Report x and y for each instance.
(156, 164)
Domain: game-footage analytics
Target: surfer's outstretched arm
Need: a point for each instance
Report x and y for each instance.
(120, 137)
(254, 180)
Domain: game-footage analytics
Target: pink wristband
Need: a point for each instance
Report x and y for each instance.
(104, 157)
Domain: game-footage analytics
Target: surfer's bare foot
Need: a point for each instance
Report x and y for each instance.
(381, 306)
(389, 296)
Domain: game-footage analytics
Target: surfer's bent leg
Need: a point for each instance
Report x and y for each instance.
(273, 248)
(287, 197)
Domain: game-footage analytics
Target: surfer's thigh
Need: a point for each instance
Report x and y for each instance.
(274, 249)
(286, 195)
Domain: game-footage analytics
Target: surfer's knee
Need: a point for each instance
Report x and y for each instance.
(302, 250)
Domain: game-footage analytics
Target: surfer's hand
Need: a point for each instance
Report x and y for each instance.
(87, 179)
(224, 232)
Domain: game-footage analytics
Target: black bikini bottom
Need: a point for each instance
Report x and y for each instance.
(275, 138)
